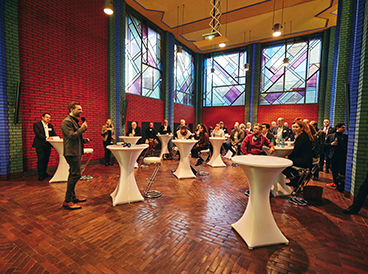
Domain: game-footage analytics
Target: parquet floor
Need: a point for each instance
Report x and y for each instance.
(187, 230)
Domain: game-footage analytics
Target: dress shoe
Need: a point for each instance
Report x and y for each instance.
(350, 210)
(46, 175)
(332, 186)
(40, 178)
(111, 164)
(71, 206)
(79, 200)
(106, 164)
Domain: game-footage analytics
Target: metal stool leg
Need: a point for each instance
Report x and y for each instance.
(152, 193)
(86, 177)
(302, 181)
(200, 172)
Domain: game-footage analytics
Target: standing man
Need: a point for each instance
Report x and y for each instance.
(338, 143)
(73, 149)
(43, 131)
(324, 153)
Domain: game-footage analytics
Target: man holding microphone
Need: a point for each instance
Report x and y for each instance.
(73, 149)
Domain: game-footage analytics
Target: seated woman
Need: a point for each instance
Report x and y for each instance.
(183, 133)
(203, 143)
(301, 155)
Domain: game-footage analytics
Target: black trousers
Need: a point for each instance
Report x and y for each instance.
(338, 166)
(107, 154)
(43, 156)
(74, 175)
(362, 195)
(326, 151)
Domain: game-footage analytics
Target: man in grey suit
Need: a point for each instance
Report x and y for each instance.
(73, 149)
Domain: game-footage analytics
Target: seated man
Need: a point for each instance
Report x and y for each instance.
(165, 128)
(236, 138)
(135, 130)
(254, 142)
(151, 137)
(266, 132)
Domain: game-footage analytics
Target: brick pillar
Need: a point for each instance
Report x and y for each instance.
(13, 140)
(343, 61)
(254, 55)
(168, 77)
(198, 88)
(359, 151)
(329, 76)
(111, 56)
(323, 77)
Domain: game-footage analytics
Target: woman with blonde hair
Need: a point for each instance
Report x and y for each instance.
(108, 138)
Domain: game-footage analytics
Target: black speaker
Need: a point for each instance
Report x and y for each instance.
(17, 103)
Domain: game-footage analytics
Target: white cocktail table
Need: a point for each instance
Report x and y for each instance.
(164, 142)
(280, 188)
(127, 190)
(228, 153)
(131, 140)
(257, 226)
(216, 160)
(184, 146)
(62, 171)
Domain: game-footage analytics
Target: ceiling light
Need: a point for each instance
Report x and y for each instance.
(222, 45)
(276, 30)
(286, 62)
(179, 50)
(108, 7)
(246, 67)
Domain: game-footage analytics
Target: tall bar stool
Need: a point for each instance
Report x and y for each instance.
(87, 151)
(147, 192)
(207, 153)
(303, 180)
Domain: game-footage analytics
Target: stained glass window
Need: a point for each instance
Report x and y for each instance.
(225, 79)
(184, 77)
(298, 82)
(142, 59)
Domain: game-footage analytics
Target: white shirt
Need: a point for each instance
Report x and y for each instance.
(46, 128)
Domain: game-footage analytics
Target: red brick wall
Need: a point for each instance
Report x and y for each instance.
(183, 112)
(267, 114)
(142, 109)
(63, 58)
(229, 115)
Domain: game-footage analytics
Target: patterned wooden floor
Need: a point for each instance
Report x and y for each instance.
(187, 230)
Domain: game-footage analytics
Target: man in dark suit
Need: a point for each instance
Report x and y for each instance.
(324, 153)
(266, 133)
(165, 128)
(338, 143)
(135, 130)
(281, 130)
(43, 130)
(73, 149)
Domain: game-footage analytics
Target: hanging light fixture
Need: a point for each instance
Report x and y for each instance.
(286, 62)
(108, 7)
(276, 30)
(246, 67)
(212, 70)
(179, 50)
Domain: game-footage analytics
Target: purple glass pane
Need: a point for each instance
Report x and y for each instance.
(151, 61)
(184, 87)
(302, 93)
(264, 60)
(276, 76)
(136, 87)
(144, 31)
(232, 94)
(299, 60)
(271, 97)
(312, 82)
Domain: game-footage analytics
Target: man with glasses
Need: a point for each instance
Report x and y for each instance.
(254, 142)
(338, 144)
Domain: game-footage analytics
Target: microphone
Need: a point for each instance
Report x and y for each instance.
(83, 119)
